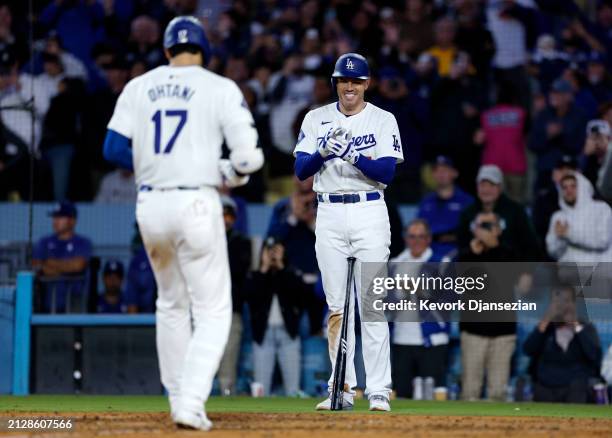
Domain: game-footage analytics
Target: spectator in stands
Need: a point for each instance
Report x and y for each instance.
(603, 24)
(565, 351)
(557, 130)
(275, 300)
(444, 49)
(599, 80)
(144, 42)
(502, 132)
(473, 37)
(113, 72)
(547, 63)
(70, 19)
(292, 222)
(61, 261)
(512, 24)
(393, 95)
(117, 187)
(111, 299)
(73, 66)
(417, 26)
(456, 102)
(9, 42)
(547, 199)
(141, 288)
(597, 151)
(61, 135)
(517, 231)
(442, 208)
(419, 342)
(290, 91)
(487, 347)
(239, 252)
(582, 230)
(14, 150)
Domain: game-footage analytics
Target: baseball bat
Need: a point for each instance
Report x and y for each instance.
(337, 395)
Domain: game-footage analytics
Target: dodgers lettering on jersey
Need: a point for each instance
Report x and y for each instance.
(177, 119)
(375, 134)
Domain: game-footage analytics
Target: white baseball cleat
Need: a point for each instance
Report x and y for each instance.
(347, 403)
(379, 403)
(188, 420)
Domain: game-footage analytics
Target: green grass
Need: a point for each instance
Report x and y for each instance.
(68, 403)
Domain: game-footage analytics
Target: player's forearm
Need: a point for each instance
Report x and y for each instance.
(68, 266)
(380, 170)
(307, 165)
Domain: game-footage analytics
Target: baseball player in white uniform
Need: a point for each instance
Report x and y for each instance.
(351, 147)
(170, 123)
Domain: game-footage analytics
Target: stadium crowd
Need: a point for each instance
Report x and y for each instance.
(501, 105)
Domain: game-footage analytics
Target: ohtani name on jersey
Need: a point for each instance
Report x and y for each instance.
(170, 90)
(360, 142)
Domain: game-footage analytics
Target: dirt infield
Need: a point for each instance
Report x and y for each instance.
(337, 425)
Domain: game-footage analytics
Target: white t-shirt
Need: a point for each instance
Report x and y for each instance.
(177, 118)
(375, 135)
(409, 333)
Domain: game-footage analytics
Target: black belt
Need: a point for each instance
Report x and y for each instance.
(348, 198)
(145, 188)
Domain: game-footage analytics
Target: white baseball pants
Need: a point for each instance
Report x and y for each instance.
(360, 230)
(184, 236)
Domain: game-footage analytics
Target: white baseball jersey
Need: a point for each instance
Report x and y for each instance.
(375, 135)
(177, 118)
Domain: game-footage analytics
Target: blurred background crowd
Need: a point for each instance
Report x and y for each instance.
(504, 109)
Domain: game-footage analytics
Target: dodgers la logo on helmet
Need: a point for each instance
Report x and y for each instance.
(351, 65)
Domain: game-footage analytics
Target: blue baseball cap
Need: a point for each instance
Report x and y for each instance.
(444, 160)
(561, 86)
(64, 209)
(113, 266)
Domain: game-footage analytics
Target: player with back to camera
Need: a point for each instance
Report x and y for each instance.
(170, 123)
(352, 147)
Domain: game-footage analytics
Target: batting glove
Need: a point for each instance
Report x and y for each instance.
(322, 147)
(340, 145)
(230, 178)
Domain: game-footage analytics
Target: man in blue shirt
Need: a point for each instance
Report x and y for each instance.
(141, 288)
(61, 261)
(441, 208)
(111, 300)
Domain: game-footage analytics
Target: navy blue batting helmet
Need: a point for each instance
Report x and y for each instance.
(187, 30)
(351, 65)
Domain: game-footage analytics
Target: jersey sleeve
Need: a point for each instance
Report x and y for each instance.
(122, 120)
(390, 142)
(307, 138)
(236, 119)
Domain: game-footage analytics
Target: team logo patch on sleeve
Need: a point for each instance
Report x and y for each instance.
(396, 145)
(301, 136)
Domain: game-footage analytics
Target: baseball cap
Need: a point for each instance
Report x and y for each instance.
(562, 86)
(444, 160)
(113, 266)
(271, 241)
(598, 126)
(63, 209)
(491, 173)
(566, 161)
